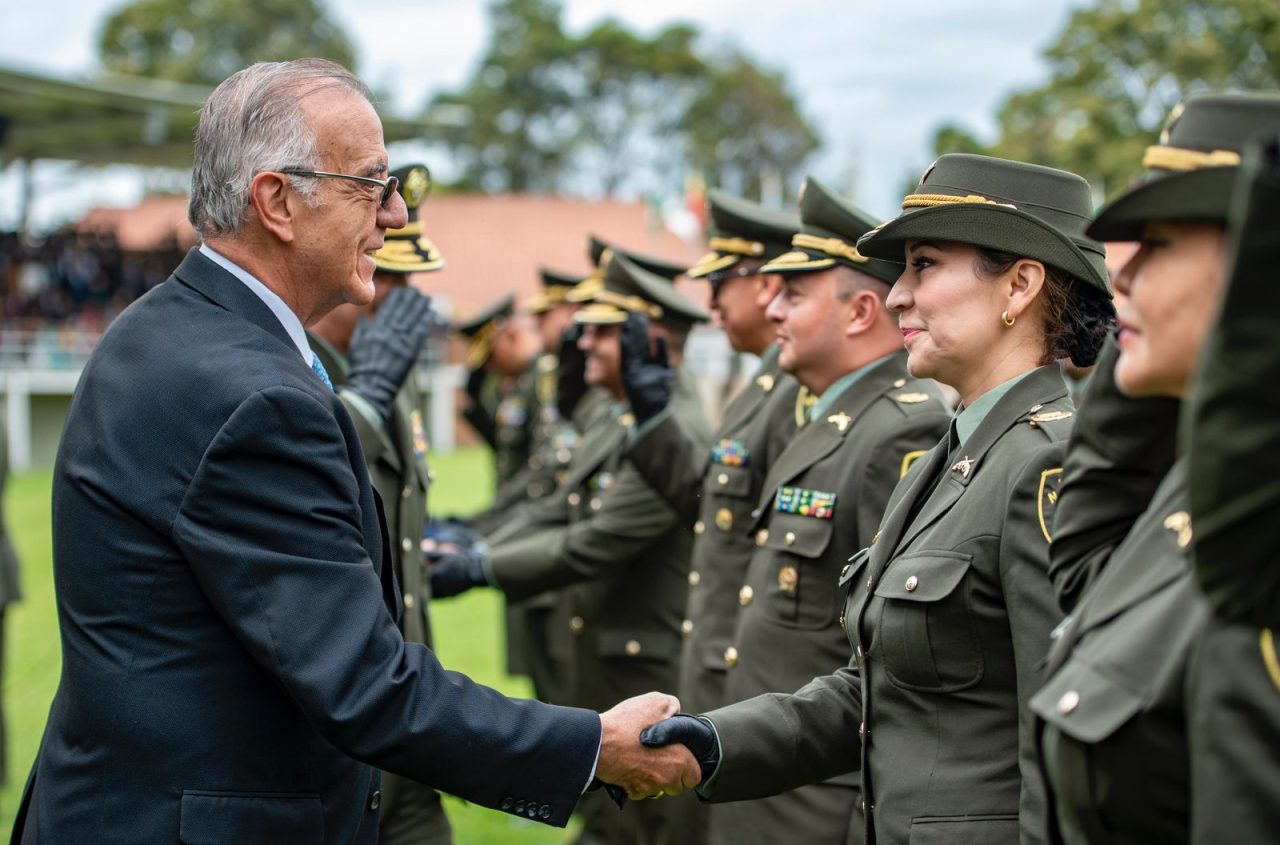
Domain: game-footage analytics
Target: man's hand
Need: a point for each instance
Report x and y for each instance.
(647, 376)
(384, 349)
(449, 534)
(643, 772)
(571, 377)
(693, 732)
(453, 573)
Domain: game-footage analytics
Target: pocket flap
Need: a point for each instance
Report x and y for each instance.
(805, 536)
(923, 576)
(725, 480)
(1084, 703)
(647, 644)
(212, 818)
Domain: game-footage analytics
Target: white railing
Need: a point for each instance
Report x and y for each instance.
(48, 348)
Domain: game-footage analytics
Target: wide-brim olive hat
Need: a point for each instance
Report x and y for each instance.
(1011, 206)
(555, 290)
(1190, 173)
(600, 252)
(828, 236)
(629, 289)
(408, 249)
(741, 229)
(481, 328)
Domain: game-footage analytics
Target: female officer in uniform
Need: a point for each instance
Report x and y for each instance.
(1115, 716)
(950, 608)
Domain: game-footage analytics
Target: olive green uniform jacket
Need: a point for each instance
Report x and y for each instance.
(619, 544)
(396, 456)
(787, 632)
(949, 614)
(1112, 717)
(713, 493)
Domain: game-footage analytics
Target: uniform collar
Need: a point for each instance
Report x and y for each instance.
(832, 393)
(969, 418)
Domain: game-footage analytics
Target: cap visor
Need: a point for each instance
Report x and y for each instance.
(1198, 195)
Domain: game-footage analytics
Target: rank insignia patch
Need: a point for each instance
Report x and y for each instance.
(730, 453)
(765, 382)
(815, 503)
(1047, 500)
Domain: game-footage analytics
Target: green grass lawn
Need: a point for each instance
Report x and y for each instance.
(468, 636)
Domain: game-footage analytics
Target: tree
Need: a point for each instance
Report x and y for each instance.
(1118, 68)
(205, 41)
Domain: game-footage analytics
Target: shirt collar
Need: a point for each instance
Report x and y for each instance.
(832, 393)
(968, 419)
(288, 319)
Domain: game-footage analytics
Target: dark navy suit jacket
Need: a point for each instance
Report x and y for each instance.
(232, 671)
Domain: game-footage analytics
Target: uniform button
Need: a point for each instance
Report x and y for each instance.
(632, 648)
(730, 657)
(576, 624)
(574, 499)
(408, 601)
(859, 653)
(870, 580)
(862, 732)
(724, 520)
(762, 536)
(519, 807)
(406, 492)
(900, 383)
(699, 527)
(722, 479)
(596, 503)
(695, 578)
(406, 544)
(431, 475)
(789, 538)
(912, 583)
(506, 804)
(745, 595)
(544, 812)
(375, 800)
(563, 456)
(531, 810)
(686, 627)
(842, 627)
(1070, 701)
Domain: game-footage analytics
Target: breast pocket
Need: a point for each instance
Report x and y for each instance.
(926, 637)
(800, 582)
(734, 482)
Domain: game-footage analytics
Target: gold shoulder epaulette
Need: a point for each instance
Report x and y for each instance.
(1048, 416)
(911, 398)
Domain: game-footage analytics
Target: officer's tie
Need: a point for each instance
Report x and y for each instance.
(319, 370)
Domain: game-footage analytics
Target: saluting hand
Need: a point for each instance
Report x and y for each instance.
(647, 376)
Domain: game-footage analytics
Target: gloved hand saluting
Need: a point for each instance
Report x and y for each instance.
(384, 348)
(694, 732)
(647, 376)
(571, 376)
(453, 573)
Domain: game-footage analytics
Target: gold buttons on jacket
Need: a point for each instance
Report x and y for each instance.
(762, 536)
(730, 657)
(695, 578)
(632, 648)
(406, 492)
(699, 528)
(912, 583)
(788, 578)
(724, 519)
(722, 479)
(745, 595)
(574, 499)
(900, 383)
(862, 732)
(408, 601)
(789, 538)
(686, 627)
(406, 544)
(576, 624)
(596, 503)
(1069, 702)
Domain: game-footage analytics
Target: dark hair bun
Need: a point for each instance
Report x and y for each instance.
(1087, 324)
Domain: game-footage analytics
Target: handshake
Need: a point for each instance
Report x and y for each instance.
(649, 749)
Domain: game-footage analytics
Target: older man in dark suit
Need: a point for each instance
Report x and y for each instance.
(232, 670)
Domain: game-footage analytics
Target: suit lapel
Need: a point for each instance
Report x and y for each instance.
(220, 287)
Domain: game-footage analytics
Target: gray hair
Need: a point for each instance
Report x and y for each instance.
(253, 122)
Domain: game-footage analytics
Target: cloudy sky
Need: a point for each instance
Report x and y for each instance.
(875, 76)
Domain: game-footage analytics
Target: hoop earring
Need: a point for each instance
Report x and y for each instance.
(1007, 320)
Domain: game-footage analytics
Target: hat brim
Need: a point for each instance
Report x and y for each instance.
(1194, 196)
(797, 262)
(600, 314)
(713, 263)
(404, 255)
(989, 226)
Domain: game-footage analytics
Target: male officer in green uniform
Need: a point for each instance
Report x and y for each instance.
(370, 364)
(608, 533)
(824, 496)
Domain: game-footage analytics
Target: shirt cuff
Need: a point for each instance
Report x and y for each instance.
(596, 763)
(637, 433)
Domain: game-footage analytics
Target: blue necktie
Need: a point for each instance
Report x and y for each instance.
(321, 371)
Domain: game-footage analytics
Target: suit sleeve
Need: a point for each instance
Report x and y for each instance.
(632, 516)
(775, 742)
(1233, 423)
(271, 527)
(1033, 612)
(1119, 451)
(673, 463)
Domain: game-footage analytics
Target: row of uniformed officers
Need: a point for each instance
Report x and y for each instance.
(899, 622)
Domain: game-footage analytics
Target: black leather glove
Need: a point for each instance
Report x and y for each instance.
(571, 377)
(451, 531)
(453, 573)
(384, 349)
(694, 732)
(646, 377)
(475, 383)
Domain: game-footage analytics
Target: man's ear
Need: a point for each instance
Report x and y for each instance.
(768, 286)
(864, 308)
(275, 205)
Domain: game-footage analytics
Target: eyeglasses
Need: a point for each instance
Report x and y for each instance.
(387, 185)
(718, 279)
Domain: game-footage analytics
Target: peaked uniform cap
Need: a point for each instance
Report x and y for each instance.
(828, 235)
(600, 253)
(628, 288)
(1190, 173)
(482, 327)
(555, 290)
(743, 229)
(408, 249)
(1011, 206)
